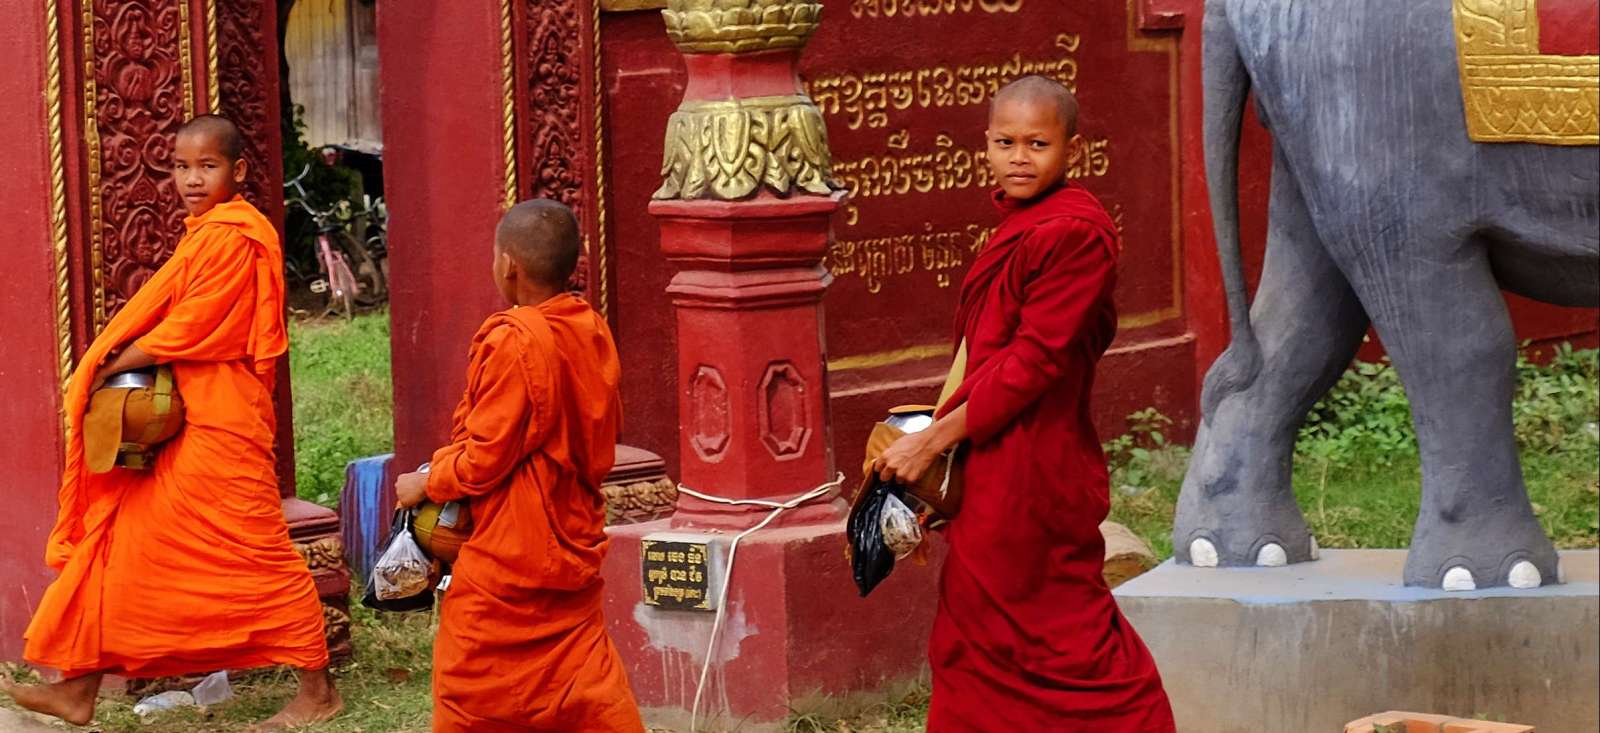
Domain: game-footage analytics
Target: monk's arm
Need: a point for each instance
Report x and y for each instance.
(211, 318)
(127, 360)
(1073, 271)
(495, 434)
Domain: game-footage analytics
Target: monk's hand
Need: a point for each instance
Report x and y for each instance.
(908, 458)
(410, 489)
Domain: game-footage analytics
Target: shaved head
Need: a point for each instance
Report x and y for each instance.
(220, 130)
(541, 236)
(1041, 90)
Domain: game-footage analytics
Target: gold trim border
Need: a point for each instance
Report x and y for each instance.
(603, 288)
(186, 58)
(508, 119)
(213, 79)
(91, 143)
(59, 244)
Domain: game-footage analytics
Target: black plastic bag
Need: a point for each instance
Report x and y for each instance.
(420, 602)
(870, 559)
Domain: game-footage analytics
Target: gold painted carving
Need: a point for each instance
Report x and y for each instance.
(186, 59)
(639, 502)
(867, 98)
(603, 288)
(213, 85)
(740, 26)
(91, 143)
(336, 625)
(729, 149)
(324, 554)
(925, 8)
(58, 194)
(623, 6)
(876, 260)
(1513, 93)
(949, 168)
(508, 111)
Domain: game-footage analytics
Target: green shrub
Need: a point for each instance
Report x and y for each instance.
(1367, 413)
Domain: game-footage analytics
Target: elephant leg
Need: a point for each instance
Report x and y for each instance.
(1237, 506)
(1446, 327)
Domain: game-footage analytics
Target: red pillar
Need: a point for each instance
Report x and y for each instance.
(745, 218)
(29, 341)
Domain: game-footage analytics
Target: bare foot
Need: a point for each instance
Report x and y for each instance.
(70, 700)
(316, 702)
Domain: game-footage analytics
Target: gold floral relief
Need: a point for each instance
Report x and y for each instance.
(1513, 93)
(729, 149)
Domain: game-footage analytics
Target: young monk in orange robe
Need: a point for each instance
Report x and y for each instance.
(1027, 636)
(522, 645)
(186, 567)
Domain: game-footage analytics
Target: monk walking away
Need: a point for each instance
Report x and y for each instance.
(1027, 636)
(186, 567)
(522, 644)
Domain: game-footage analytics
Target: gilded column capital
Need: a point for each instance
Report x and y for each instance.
(740, 26)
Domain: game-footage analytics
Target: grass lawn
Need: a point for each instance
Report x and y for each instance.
(1356, 475)
(342, 395)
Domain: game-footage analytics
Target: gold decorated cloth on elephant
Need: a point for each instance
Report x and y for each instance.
(1515, 88)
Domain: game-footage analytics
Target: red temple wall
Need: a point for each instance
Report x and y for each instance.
(28, 347)
(1136, 65)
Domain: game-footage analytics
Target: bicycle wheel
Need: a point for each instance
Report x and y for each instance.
(371, 285)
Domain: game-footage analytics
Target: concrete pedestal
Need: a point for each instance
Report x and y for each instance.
(1313, 646)
(795, 636)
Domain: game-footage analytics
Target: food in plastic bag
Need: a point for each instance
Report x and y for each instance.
(402, 570)
(398, 528)
(901, 530)
(870, 559)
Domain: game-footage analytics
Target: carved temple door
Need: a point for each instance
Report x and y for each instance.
(92, 214)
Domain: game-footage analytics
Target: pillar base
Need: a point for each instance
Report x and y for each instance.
(795, 638)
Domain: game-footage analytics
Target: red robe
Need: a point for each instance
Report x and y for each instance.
(522, 645)
(1027, 636)
(186, 567)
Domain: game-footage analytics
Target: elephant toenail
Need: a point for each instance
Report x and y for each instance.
(1524, 575)
(1272, 555)
(1459, 578)
(1202, 554)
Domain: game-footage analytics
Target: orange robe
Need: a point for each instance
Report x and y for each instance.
(186, 567)
(522, 644)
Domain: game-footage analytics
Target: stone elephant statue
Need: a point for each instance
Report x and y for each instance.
(1383, 211)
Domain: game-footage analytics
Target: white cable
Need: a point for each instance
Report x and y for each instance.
(727, 575)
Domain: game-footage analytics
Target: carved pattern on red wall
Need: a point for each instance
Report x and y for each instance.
(709, 418)
(557, 56)
(248, 95)
(138, 104)
(782, 419)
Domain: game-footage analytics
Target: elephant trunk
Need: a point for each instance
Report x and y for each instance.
(1227, 86)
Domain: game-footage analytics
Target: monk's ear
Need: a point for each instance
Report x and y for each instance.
(241, 170)
(1077, 151)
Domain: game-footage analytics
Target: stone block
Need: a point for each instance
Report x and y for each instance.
(1312, 646)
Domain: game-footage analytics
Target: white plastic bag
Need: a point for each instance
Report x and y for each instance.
(402, 570)
(901, 532)
(212, 690)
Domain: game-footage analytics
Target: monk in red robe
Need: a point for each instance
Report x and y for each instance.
(522, 644)
(1027, 636)
(186, 567)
